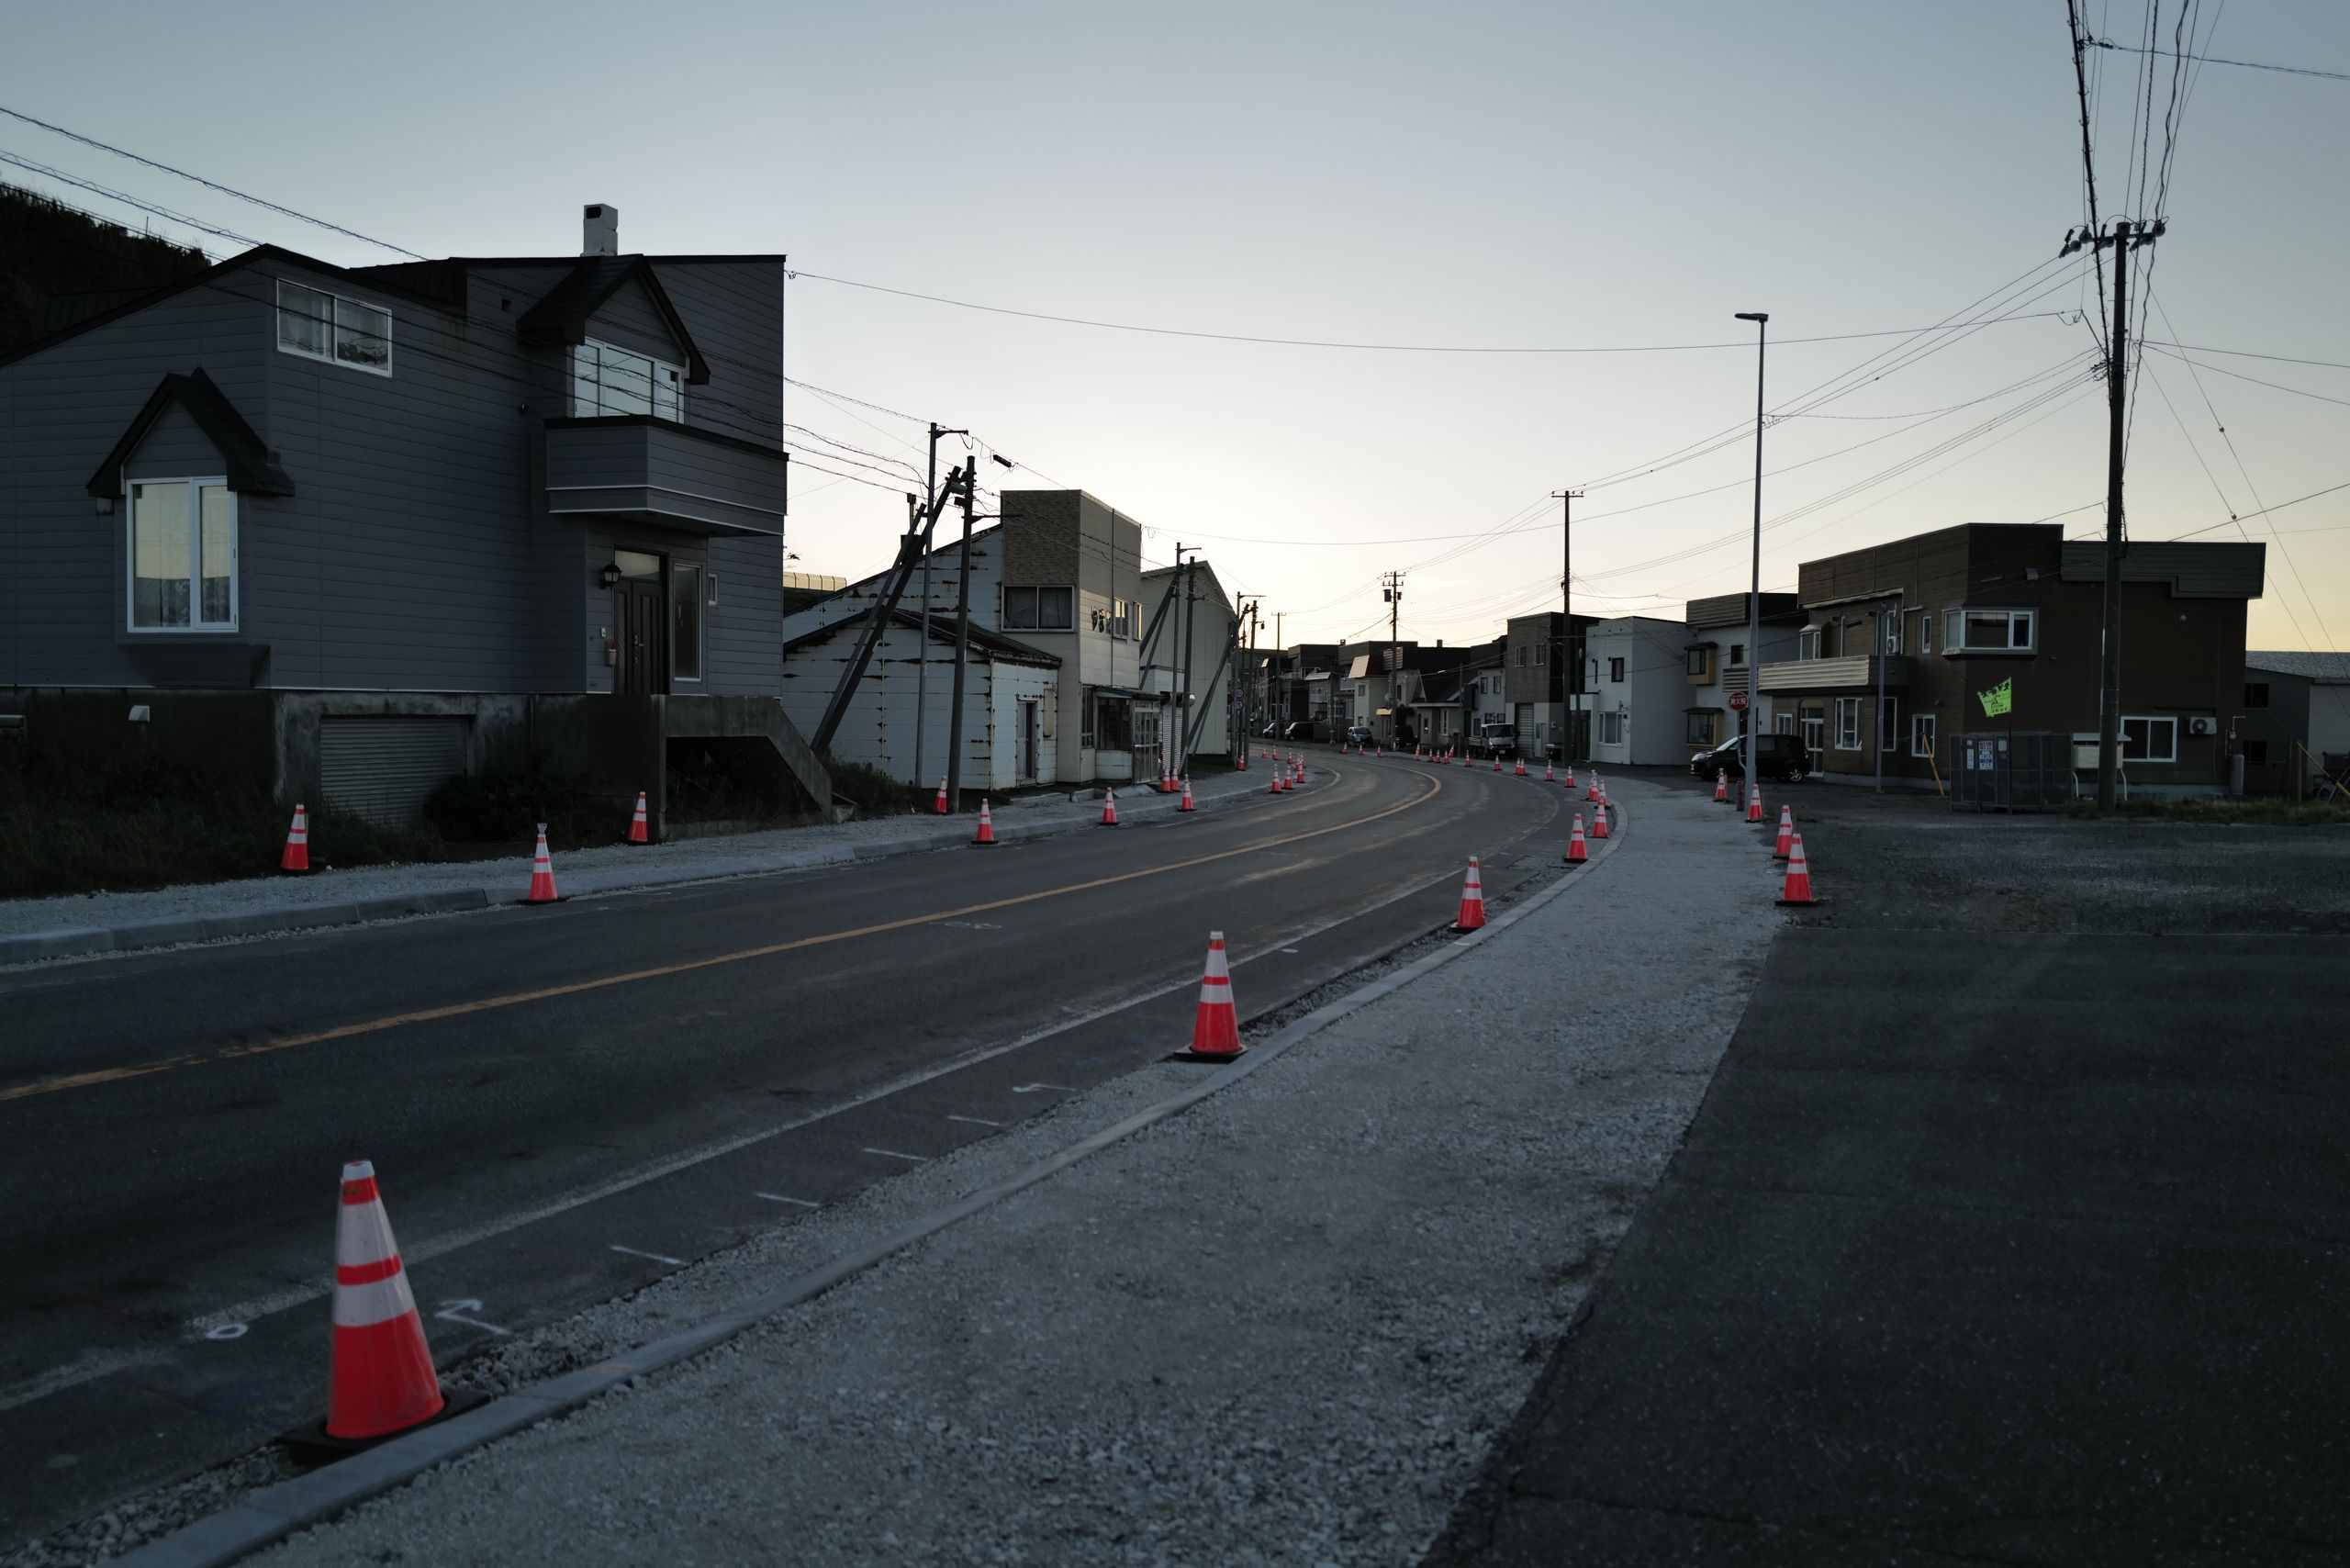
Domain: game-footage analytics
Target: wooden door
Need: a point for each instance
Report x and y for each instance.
(642, 627)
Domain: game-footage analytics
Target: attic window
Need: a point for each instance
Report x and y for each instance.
(606, 380)
(319, 325)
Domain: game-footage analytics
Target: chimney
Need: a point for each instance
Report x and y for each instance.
(599, 225)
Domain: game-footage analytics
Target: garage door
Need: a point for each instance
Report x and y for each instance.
(384, 767)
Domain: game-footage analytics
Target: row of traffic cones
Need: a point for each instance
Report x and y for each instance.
(295, 858)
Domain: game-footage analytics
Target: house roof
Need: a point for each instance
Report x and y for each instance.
(250, 470)
(563, 315)
(993, 644)
(2327, 669)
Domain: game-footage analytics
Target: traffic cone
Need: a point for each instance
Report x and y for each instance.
(1577, 852)
(542, 873)
(939, 805)
(1109, 806)
(636, 826)
(1280, 785)
(1185, 804)
(381, 1380)
(1297, 774)
(986, 823)
(1548, 776)
(1797, 887)
(1754, 803)
(1599, 822)
(1215, 1028)
(1473, 901)
(298, 843)
(1722, 784)
(1786, 833)
(1590, 790)
(1571, 775)
(1521, 767)
(1497, 765)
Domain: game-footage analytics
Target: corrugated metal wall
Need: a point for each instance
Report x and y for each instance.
(384, 767)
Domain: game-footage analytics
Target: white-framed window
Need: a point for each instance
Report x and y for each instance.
(183, 555)
(1039, 608)
(1888, 723)
(1848, 723)
(1701, 728)
(1701, 661)
(1989, 631)
(1888, 631)
(1807, 643)
(318, 325)
(1917, 631)
(689, 594)
(1611, 729)
(2149, 740)
(1782, 723)
(1921, 735)
(606, 380)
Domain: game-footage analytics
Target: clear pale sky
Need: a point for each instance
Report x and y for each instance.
(1550, 175)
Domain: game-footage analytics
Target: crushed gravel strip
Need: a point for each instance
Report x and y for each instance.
(1280, 1328)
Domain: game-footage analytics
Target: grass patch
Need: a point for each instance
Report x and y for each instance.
(73, 829)
(2217, 811)
(506, 808)
(876, 793)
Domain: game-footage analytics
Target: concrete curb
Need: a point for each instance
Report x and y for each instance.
(92, 941)
(275, 1512)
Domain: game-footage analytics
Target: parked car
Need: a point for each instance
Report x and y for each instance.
(1303, 731)
(1358, 735)
(1775, 756)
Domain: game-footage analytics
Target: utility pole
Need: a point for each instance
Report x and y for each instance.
(968, 498)
(1179, 668)
(1393, 583)
(1280, 652)
(1569, 684)
(1248, 602)
(1762, 319)
(921, 666)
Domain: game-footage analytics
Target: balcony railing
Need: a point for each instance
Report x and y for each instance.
(1851, 671)
(657, 471)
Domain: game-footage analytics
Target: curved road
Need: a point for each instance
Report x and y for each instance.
(565, 1104)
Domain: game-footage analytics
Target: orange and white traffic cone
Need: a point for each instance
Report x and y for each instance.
(1473, 901)
(1797, 887)
(1571, 776)
(1577, 851)
(1786, 834)
(1297, 774)
(1755, 802)
(1215, 1028)
(542, 873)
(1185, 804)
(1109, 806)
(1280, 783)
(986, 823)
(381, 1380)
(1549, 775)
(1591, 788)
(1497, 765)
(939, 805)
(1521, 767)
(298, 843)
(1599, 822)
(1722, 784)
(636, 824)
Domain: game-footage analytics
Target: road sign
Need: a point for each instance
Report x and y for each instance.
(1738, 701)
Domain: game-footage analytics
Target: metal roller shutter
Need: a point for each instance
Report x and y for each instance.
(384, 767)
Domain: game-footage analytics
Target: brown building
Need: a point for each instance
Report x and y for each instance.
(1917, 631)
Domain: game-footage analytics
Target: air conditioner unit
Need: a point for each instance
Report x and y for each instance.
(2202, 726)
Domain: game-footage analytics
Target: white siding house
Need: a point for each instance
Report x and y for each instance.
(1639, 679)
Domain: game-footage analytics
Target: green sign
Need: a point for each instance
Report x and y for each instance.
(2000, 699)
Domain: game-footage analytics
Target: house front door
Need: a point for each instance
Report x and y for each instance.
(640, 625)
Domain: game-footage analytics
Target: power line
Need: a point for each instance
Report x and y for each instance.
(208, 184)
(111, 195)
(2217, 60)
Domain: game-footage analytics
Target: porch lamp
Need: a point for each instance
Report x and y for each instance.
(1762, 321)
(611, 576)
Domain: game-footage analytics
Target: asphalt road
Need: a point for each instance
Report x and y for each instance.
(563, 1104)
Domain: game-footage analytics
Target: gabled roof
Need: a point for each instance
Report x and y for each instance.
(563, 316)
(987, 640)
(2327, 669)
(247, 463)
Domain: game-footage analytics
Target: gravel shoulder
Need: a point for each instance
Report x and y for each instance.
(1281, 1326)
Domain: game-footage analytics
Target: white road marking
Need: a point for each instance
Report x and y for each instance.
(457, 1311)
(97, 1363)
(226, 1331)
(656, 1256)
(971, 924)
(976, 1121)
(1291, 951)
(779, 1198)
(893, 1154)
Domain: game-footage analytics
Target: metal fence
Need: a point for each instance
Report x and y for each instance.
(2004, 770)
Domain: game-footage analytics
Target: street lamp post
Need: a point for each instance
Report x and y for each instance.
(1762, 321)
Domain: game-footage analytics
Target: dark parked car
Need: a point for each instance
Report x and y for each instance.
(1302, 731)
(1358, 735)
(1775, 756)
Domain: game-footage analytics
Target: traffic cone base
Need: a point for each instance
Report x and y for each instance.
(1473, 901)
(986, 823)
(637, 827)
(296, 861)
(1215, 1026)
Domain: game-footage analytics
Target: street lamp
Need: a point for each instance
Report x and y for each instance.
(1762, 319)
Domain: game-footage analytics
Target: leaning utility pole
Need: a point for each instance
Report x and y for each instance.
(966, 498)
(921, 666)
(1570, 682)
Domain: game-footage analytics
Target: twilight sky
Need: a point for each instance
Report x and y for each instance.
(1564, 174)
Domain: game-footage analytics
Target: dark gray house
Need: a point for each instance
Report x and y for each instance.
(355, 530)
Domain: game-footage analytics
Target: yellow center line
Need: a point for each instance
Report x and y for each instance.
(517, 999)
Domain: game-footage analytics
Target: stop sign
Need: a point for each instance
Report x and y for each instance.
(1738, 701)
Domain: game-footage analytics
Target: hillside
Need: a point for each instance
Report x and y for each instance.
(49, 248)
